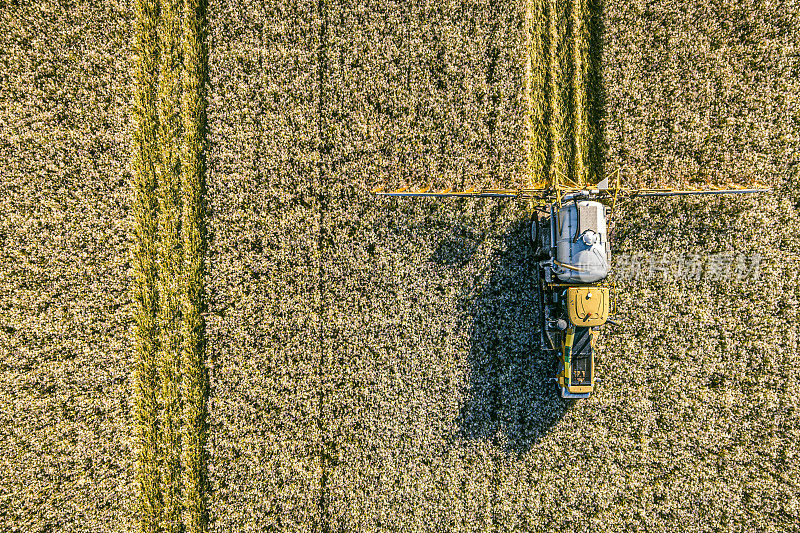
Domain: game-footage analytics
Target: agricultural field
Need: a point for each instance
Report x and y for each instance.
(343, 362)
(65, 351)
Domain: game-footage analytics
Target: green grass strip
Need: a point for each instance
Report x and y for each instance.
(554, 93)
(580, 128)
(145, 162)
(170, 260)
(535, 92)
(193, 170)
(595, 90)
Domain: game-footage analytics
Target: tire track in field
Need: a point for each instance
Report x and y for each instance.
(595, 91)
(169, 168)
(555, 96)
(579, 43)
(536, 68)
(145, 274)
(193, 187)
(169, 260)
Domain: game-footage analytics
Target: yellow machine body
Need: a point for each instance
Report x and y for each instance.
(588, 306)
(566, 379)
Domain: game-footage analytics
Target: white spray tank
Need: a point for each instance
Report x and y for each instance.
(581, 242)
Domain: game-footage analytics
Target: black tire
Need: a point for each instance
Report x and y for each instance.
(536, 239)
(535, 233)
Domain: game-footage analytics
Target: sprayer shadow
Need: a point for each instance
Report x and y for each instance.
(509, 399)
